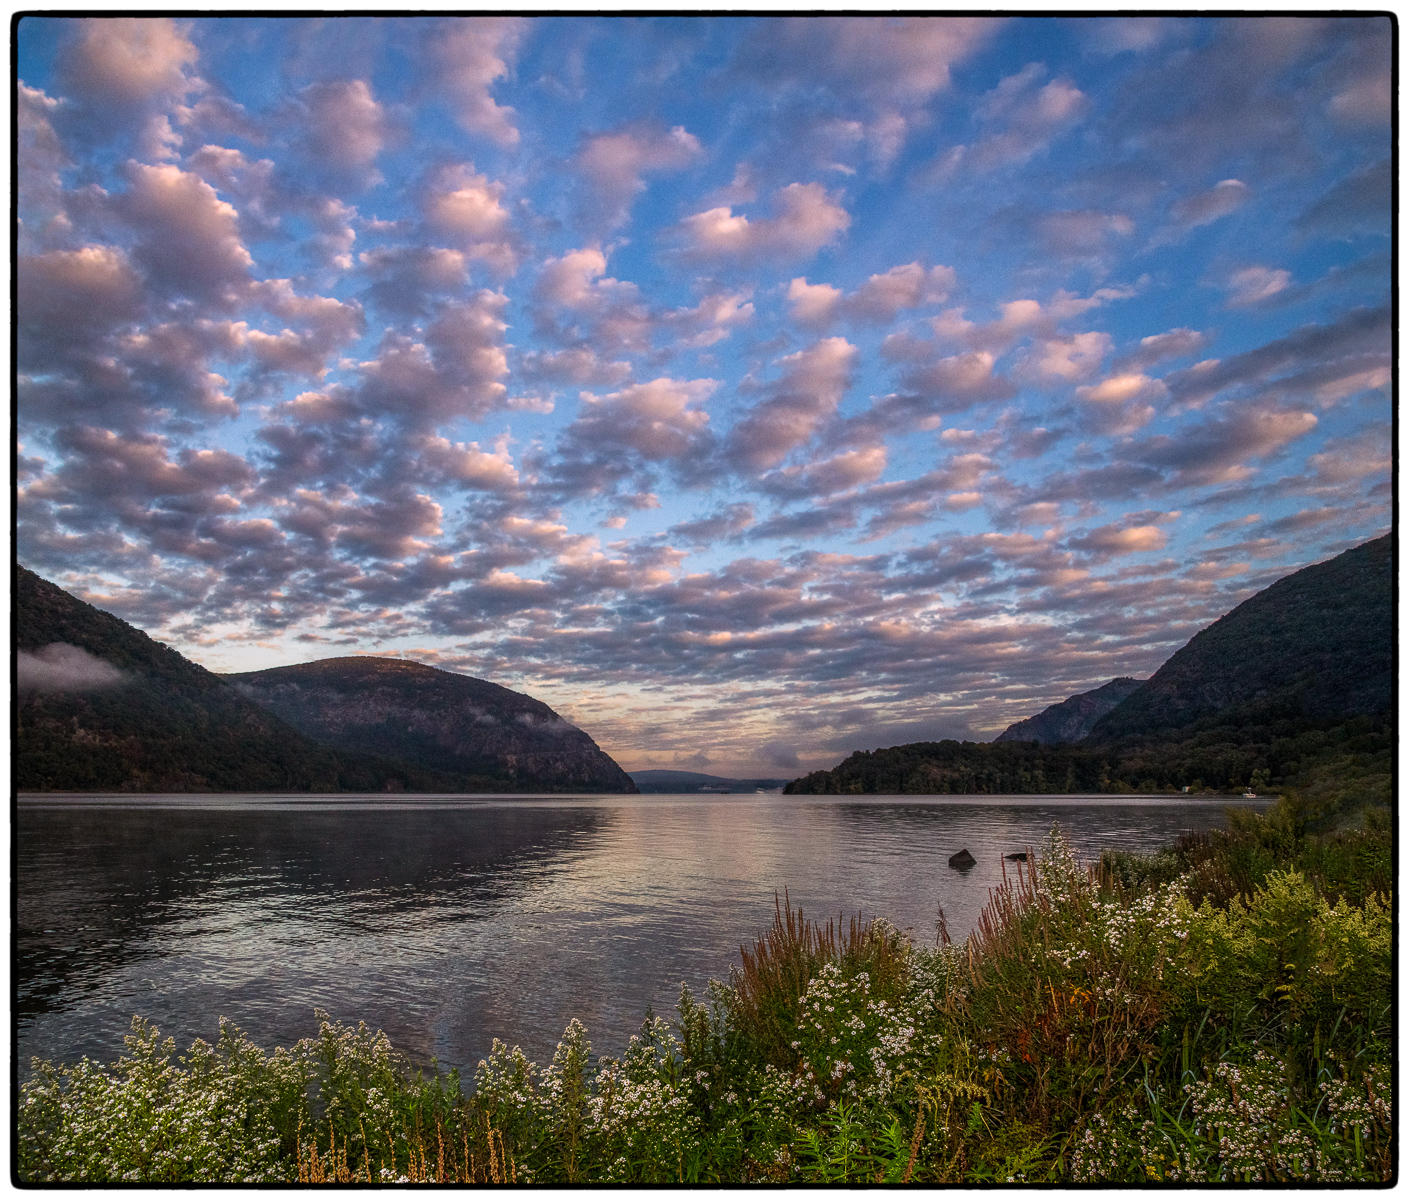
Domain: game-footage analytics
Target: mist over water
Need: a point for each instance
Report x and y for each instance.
(450, 921)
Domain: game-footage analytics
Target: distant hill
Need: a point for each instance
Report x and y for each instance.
(695, 781)
(100, 706)
(1295, 683)
(485, 736)
(1316, 645)
(1072, 719)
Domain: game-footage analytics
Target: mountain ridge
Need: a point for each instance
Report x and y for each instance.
(1070, 720)
(438, 719)
(101, 706)
(1295, 682)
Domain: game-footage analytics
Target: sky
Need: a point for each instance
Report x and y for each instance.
(752, 390)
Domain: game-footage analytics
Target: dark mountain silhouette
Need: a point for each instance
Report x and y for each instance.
(1316, 645)
(1070, 720)
(486, 735)
(1295, 683)
(100, 706)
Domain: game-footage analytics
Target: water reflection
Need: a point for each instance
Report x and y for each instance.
(143, 903)
(451, 922)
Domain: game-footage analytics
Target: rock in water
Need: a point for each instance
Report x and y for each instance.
(963, 860)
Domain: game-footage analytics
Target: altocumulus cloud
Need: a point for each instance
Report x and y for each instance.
(749, 389)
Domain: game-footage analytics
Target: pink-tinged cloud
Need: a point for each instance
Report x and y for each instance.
(1256, 285)
(887, 60)
(1072, 358)
(343, 127)
(466, 464)
(1108, 541)
(1121, 404)
(1224, 448)
(812, 385)
(1158, 347)
(129, 60)
(840, 473)
(457, 371)
(469, 56)
(806, 219)
(1083, 233)
(188, 238)
(879, 299)
(614, 164)
(465, 205)
(659, 420)
(1022, 115)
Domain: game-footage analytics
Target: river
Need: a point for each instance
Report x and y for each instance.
(449, 921)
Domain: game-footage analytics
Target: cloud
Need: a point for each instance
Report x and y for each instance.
(1358, 203)
(1077, 356)
(60, 668)
(887, 61)
(1205, 207)
(1121, 404)
(879, 299)
(1023, 114)
(467, 464)
(128, 74)
(725, 524)
(1223, 448)
(807, 218)
(810, 389)
(1159, 347)
(469, 56)
(614, 164)
(1108, 541)
(1254, 285)
(840, 473)
(658, 420)
(467, 209)
(1360, 335)
(343, 129)
(188, 239)
(457, 370)
(1082, 233)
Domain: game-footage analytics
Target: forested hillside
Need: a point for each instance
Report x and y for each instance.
(1295, 686)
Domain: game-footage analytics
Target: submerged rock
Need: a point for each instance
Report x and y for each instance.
(963, 860)
(1017, 856)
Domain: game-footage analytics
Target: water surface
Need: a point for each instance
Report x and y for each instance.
(449, 921)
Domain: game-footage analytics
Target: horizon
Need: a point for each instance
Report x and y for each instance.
(749, 390)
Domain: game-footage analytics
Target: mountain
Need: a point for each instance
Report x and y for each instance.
(1317, 646)
(1072, 719)
(1294, 685)
(100, 706)
(695, 781)
(486, 737)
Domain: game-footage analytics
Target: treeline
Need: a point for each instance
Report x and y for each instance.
(1220, 758)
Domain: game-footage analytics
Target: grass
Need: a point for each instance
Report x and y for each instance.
(1218, 1012)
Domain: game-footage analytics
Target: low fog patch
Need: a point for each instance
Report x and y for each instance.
(62, 668)
(553, 725)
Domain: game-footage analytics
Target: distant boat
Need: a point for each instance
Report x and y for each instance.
(1249, 795)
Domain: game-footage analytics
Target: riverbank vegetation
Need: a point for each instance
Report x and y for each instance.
(1220, 1011)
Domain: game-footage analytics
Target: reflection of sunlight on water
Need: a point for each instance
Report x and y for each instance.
(450, 922)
